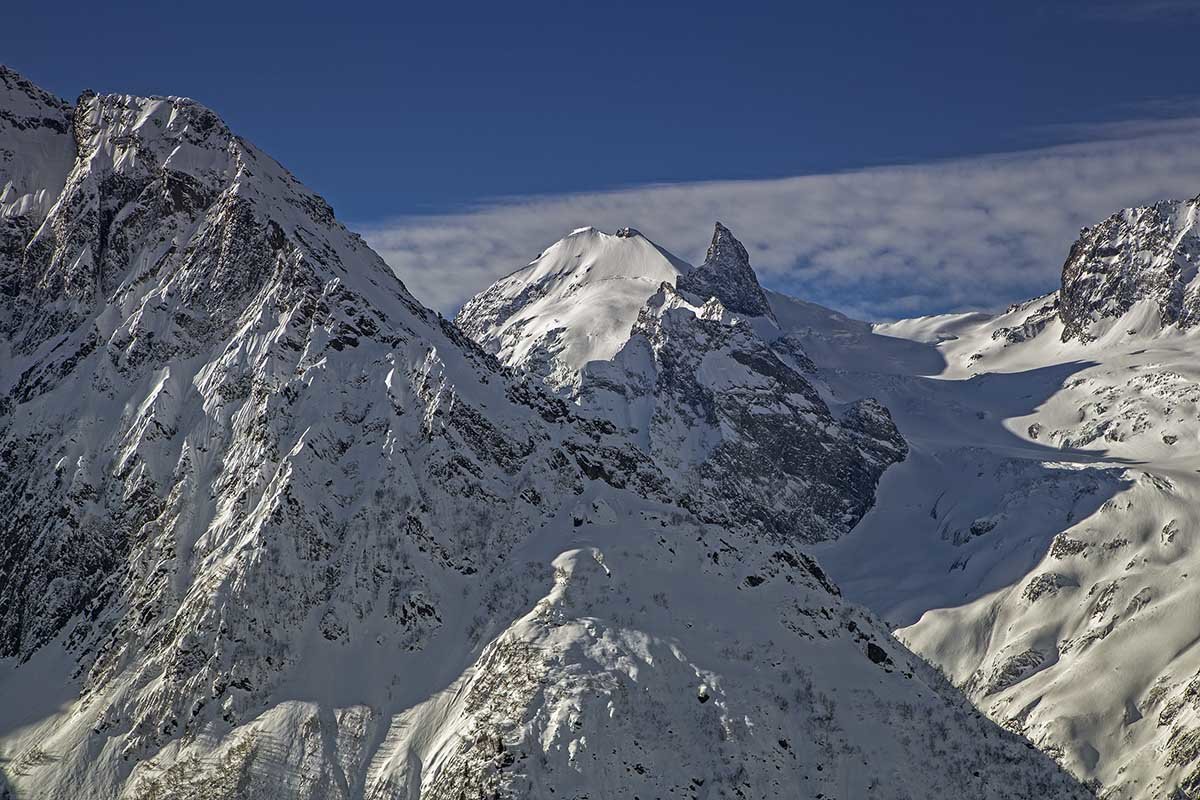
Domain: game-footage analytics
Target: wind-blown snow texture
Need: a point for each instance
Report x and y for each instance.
(270, 528)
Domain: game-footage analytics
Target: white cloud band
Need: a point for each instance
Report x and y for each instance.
(878, 243)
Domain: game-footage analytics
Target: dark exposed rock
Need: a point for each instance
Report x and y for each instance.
(747, 439)
(726, 274)
(1044, 584)
(1147, 253)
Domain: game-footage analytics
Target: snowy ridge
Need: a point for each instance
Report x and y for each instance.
(270, 528)
(36, 151)
(741, 432)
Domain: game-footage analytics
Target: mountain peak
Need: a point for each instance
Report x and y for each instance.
(574, 303)
(1140, 257)
(727, 275)
(36, 153)
(24, 103)
(722, 235)
(725, 250)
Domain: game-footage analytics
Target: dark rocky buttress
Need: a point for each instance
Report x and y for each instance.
(726, 274)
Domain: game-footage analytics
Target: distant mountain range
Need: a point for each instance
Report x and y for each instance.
(625, 528)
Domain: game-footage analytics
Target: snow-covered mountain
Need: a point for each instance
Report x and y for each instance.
(271, 528)
(573, 304)
(577, 302)
(701, 375)
(1037, 541)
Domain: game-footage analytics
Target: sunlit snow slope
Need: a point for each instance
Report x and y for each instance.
(574, 303)
(1039, 543)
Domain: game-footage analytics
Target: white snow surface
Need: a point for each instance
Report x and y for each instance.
(575, 303)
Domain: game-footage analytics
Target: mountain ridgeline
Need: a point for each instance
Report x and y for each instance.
(1035, 525)
(272, 529)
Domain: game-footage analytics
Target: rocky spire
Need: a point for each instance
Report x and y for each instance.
(726, 275)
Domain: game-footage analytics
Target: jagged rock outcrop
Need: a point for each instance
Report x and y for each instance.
(1148, 254)
(726, 274)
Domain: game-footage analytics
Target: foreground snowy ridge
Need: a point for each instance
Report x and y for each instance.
(272, 529)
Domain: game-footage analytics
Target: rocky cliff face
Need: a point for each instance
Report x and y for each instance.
(742, 433)
(726, 275)
(36, 150)
(1146, 256)
(270, 528)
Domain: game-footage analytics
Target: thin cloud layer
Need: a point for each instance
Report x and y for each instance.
(877, 243)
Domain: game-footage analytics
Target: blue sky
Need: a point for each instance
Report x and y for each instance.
(408, 117)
